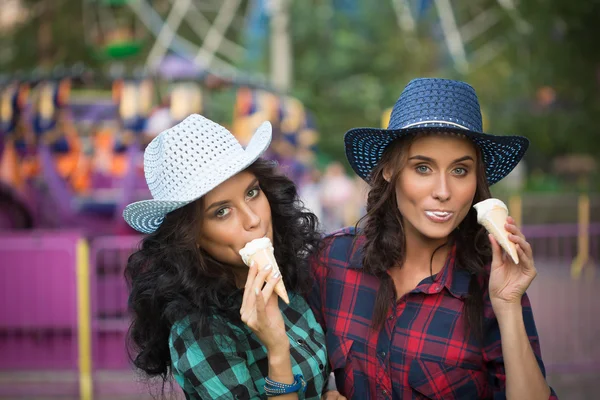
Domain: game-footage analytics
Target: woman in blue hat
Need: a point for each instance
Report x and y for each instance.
(418, 301)
(199, 313)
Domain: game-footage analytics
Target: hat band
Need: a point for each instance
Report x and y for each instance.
(434, 122)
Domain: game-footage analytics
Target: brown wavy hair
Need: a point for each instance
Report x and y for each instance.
(383, 230)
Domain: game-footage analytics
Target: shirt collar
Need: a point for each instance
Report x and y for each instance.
(456, 280)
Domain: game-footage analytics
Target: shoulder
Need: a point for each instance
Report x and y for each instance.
(340, 252)
(341, 244)
(349, 231)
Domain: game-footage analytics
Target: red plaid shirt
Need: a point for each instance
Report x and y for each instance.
(422, 351)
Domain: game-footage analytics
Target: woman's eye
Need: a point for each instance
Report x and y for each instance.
(252, 193)
(222, 212)
(460, 171)
(422, 169)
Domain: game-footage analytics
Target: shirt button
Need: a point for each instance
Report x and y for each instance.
(391, 317)
(382, 354)
(321, 366)
(384, 392)
(300, 342)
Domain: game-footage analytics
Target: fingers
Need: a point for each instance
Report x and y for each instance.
(260, 308)
(517, 237)
(521, 244)
(252, 271)
(524, 250)
(270, 285)
(512, 227)
(248, 315)
(254, 285)
(261, 277)
(496, 251)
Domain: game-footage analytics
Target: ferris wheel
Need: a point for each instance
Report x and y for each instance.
(212, 35)
(467, 39)
(221, 35)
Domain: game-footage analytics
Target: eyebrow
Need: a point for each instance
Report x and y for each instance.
(429, 159)
(223, 202)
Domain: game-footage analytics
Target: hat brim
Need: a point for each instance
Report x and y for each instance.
(501, 154)
(146, 216)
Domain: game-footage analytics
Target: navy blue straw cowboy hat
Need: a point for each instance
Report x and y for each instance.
(435, 105)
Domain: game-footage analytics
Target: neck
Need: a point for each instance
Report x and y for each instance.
(419, 250)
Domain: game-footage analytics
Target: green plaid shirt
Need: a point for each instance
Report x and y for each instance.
(234, 366)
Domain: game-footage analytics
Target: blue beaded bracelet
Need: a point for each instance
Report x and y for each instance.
(273, 388)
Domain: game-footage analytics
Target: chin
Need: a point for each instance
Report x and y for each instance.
(436, 234)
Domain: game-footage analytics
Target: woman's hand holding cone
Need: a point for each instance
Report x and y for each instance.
(260, 310)
(509, 281)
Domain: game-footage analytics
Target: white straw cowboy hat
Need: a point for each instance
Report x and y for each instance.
(187, 161)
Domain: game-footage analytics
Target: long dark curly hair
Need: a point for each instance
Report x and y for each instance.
(170, 277)
(383, 230)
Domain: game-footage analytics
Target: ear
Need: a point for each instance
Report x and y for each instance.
(387, 174)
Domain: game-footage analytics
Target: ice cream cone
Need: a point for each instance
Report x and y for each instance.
(261, 252)
(492, 214)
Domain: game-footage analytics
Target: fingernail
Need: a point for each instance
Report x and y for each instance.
(276, 274)
(256, 291)
(268, 267)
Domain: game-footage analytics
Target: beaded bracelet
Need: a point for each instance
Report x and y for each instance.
(273, 388)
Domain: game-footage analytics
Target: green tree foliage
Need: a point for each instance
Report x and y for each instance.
(52, 35)
(349, 67)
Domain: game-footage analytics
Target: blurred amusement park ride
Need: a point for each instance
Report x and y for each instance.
(68, 162)
(69, 159)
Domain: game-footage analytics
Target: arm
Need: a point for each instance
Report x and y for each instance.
(525, 377)
(512, 354)
(523, 368)
(280, 367)
(260, 312)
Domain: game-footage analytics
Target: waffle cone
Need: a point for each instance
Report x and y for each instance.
(264, 257)
(494, 221)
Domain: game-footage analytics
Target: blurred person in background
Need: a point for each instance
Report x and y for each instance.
(337, 191)
(199, 313)
(417, 301)
(310, 191)
(159, 120)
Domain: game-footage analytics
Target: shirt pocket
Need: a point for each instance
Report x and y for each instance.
(440, 381)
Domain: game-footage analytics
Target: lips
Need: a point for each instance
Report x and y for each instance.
(439, 216)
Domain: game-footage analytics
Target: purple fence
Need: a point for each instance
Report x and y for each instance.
(38, 317)
(558, 242)
(108, 257)
(566, 309)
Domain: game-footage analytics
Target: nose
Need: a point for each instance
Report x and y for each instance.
(441, 191)
(251, 219)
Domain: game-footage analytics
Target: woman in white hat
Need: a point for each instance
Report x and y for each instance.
(199, 313)
(417, 301)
